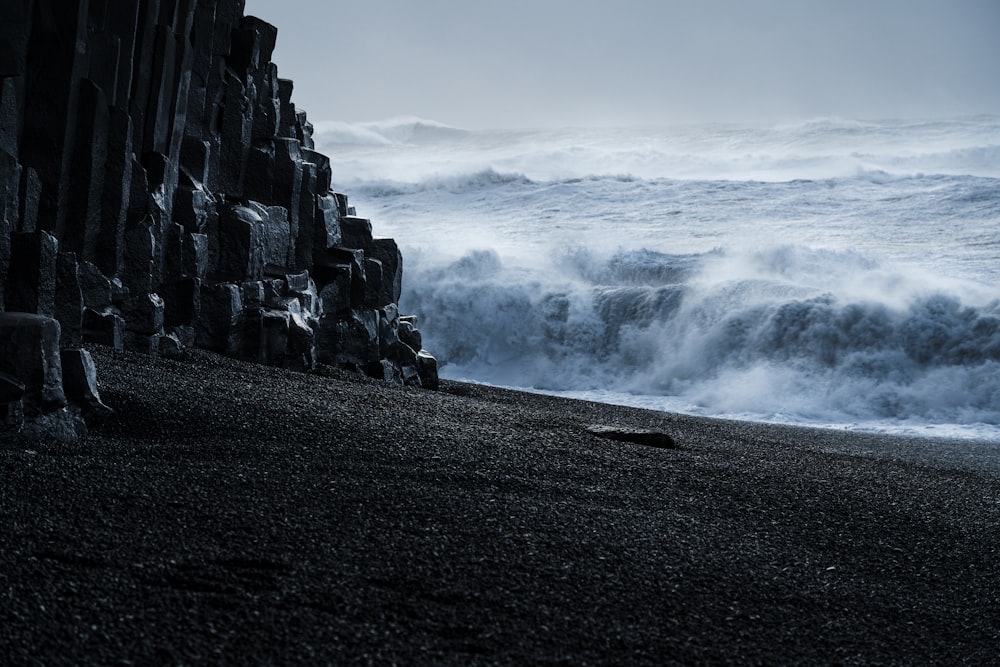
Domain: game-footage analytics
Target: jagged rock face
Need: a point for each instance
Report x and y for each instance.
(158, 188)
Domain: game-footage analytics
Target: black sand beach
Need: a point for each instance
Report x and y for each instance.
(240, 514)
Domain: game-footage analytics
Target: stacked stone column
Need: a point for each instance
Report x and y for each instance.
(159, 189)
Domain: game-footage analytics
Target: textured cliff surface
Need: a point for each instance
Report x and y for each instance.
(160, 190)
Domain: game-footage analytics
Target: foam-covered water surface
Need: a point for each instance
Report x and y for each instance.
(833, 273)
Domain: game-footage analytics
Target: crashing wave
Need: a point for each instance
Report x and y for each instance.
(743, 334)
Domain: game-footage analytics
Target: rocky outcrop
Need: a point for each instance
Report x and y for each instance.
(159, 189)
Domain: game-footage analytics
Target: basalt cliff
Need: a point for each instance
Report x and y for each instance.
(160, 190)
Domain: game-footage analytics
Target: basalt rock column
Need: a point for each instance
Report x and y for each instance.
(160, 189)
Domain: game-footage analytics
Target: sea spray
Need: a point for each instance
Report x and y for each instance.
(833, 272)
(755, 342)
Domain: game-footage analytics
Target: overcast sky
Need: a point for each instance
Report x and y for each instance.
(522, 63)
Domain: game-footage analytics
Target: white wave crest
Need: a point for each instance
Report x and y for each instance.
(329, 135)
(814, 335)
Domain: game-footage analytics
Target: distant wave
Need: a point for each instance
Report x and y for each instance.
(392, 131)
(453, 183)
(977, 125)
(975, 160)
(408, 150)
(960, 188)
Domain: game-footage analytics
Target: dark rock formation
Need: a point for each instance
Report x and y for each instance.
(159, 189)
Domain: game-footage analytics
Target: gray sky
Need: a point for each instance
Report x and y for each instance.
(522, 63)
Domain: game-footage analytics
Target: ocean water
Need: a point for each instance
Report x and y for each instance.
(836, 273)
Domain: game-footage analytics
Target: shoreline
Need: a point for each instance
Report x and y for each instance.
(976, 451)
(238, 513)
(977, 454)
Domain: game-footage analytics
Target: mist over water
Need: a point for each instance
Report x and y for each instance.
(837, 273)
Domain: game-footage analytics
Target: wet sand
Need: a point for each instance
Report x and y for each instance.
(246, 515)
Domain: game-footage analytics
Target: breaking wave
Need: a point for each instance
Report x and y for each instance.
(830, 272)
(819, 335)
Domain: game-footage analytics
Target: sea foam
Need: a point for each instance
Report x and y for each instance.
(834, 272)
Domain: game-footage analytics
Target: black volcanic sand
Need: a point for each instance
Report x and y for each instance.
(240, 514)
